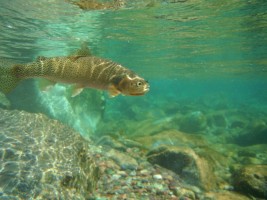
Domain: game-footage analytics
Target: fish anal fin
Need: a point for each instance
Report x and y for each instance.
(113, 91)
(76, 90)
(45, 85)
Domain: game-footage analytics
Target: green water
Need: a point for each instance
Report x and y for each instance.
(205, 62)
(187, 50)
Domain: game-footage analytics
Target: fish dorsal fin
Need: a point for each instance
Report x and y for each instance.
(83, 51)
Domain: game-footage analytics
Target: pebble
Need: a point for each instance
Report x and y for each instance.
(133, 173)
(144, 172)
(122, 173)
(157, 186)
(115, 177)
(157, 176)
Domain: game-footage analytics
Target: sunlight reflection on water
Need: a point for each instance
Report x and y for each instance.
(170, 38)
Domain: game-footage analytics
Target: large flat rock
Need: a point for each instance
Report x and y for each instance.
(43, 159)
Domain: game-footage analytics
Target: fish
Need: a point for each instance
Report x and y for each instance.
(82, 71)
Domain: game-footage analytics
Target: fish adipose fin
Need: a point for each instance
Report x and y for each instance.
(113, 91)
(8, 79)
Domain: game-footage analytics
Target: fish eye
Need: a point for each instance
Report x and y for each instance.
(139, 83)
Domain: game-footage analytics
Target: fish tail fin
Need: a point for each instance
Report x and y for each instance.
(8, 78)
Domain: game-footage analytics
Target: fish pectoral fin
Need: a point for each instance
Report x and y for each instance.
(76, 90)
(45, 85)
(113, 91)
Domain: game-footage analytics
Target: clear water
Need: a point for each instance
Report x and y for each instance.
(164, 41)
(199, 57)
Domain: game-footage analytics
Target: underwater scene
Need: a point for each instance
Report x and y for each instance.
(133, 100)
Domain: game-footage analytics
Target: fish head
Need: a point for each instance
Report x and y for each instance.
(133, 86)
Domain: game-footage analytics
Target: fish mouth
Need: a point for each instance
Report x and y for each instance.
(146, 88)
(144, 91)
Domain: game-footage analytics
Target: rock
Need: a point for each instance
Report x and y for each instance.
(256, 135)
(133, 173)
(225, 195)
(184, 162)
(157, 176)
(218, 120)
(109, 141)
(130, 143)
(171, 137)
(249, 160)
(43, 159)
(251, 180)
(193, 122)
(237, 123)
(144, 172)
(115, 177)
(184, 193)
(123, 160)
(122, 173)
(251, 155)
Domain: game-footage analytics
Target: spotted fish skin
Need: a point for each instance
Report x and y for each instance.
(84, 71)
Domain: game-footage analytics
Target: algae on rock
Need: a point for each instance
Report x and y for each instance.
(251, 180)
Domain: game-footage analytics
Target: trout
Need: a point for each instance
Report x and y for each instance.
(81, 71)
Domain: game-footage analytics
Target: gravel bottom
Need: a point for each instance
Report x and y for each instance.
(146, 182)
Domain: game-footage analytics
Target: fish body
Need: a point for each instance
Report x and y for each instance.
(81, 71)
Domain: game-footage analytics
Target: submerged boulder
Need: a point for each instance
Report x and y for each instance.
(193, 122)
(186, 163)
(251, 180)
(125, 161)
(225, 195)
(256, 134)
(43, 159)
